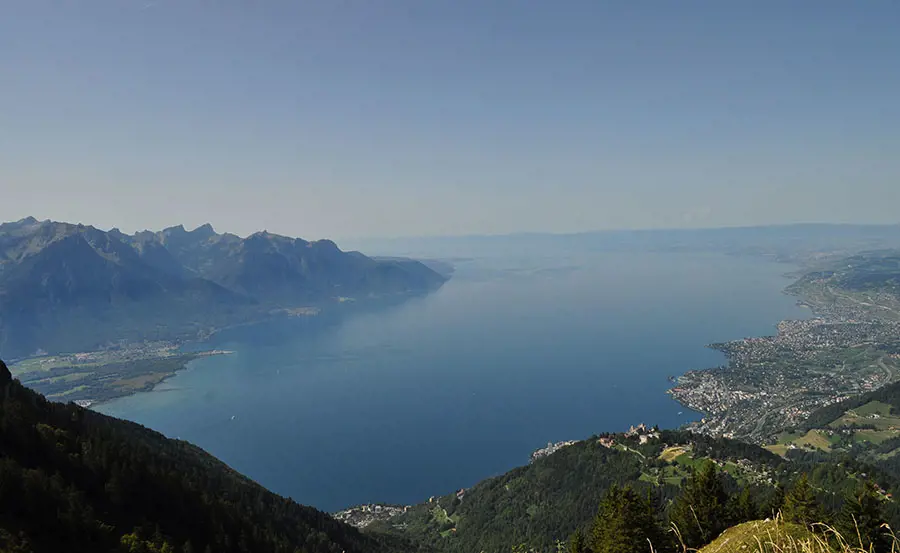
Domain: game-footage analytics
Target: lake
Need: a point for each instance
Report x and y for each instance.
(397, 403)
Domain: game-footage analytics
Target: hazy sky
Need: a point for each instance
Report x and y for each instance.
(347, 118)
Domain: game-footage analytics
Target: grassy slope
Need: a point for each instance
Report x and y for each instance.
(760, 536)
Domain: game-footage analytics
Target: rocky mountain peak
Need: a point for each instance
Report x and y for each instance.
(176, 230)
(204, 231)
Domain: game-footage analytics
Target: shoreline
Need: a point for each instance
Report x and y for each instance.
(94, 378)
(184, 366)
(725, 349)
(773, 383)
(338, 307)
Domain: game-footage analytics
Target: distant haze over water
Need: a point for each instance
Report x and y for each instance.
(399, 403)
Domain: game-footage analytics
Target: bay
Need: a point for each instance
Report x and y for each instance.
(397, 403)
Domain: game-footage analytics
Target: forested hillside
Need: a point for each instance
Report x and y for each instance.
(865, 427)
(75, 480)
(613, 493)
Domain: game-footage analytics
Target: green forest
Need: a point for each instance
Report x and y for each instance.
(577, 496)
(75, 480)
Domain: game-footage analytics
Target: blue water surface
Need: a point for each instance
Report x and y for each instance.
(398, 403)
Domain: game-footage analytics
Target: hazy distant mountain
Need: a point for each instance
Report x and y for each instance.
(105, 286)
(278, 268)
(794, 243)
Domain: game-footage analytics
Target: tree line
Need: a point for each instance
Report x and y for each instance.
(628, 521)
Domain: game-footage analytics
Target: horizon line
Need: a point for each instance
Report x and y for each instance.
(513, 234)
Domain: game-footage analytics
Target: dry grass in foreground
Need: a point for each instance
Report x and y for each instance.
(778, 536)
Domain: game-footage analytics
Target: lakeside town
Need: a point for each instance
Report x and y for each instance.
(773, 383)
(364, 515)
(550, 449)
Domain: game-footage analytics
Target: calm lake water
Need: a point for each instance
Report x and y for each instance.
(399, 403)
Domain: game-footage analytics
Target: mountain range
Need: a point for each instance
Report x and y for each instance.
(76, 480)
(68, 287)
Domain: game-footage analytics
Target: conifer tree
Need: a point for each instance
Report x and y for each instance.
(700, 512)
(861, 517)
(625, 523)
(742, 507)
(800, 504)
(576, 543)
(776, 504)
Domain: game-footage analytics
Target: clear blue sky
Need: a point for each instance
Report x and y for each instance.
(347, 118)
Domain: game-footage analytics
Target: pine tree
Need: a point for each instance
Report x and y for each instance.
(700, 512)
(861, 517)
(625, 523)
(576, 543)
(742, 508)
(776, 503)
(800, 504)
